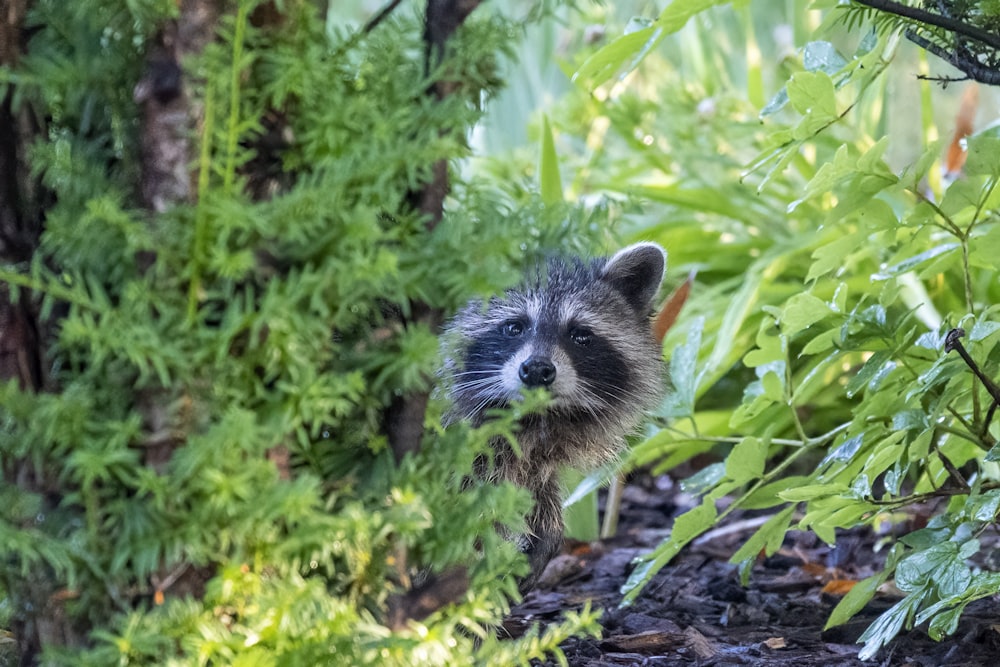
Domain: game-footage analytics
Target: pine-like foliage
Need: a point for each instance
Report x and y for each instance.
(206, 478)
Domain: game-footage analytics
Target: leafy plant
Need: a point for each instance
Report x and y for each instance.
(204, 474)
(810, 357)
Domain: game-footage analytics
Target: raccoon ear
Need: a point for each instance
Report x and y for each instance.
(636, 272)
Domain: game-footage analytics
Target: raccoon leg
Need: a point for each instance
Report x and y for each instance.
(545, 529)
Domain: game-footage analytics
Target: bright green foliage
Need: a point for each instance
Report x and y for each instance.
(810, 356)
(260, 325)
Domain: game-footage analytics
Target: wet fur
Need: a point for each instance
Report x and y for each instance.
(591, 320)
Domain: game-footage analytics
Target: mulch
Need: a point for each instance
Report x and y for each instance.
(696, 612)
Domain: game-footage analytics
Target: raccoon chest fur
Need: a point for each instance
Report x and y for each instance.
(580, 330)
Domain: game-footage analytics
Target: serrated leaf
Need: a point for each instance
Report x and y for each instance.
(767, 538)
(812, 95)
(832, 256)
(746, 460)
(802, 311)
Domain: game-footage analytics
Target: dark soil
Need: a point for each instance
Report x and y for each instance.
(695, 612)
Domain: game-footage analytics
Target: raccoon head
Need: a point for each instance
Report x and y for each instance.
(579, 329)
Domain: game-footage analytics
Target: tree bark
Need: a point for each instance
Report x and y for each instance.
(405, 415)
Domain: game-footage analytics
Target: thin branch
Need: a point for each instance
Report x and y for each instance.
(939, 20)
(378, 18)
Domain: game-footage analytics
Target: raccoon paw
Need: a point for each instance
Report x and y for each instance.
(539, 549)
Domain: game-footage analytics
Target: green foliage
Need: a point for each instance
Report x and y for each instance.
(152, 497)
(810, 357)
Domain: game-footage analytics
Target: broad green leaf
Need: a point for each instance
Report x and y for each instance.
(770, 347)
(768, 495)
(944, 623)
(626, 53)
(580, 515)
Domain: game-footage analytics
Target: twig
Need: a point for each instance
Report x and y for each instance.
(952, 341)
(378, 18)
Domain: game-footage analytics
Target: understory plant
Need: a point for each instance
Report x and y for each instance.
(204, 469)
(835, 361)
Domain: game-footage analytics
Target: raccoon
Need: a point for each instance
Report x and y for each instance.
(580, 329)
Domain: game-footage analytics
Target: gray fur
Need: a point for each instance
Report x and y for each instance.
(589, 321)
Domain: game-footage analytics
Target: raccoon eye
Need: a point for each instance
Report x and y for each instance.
(512, 329)
(581, 336)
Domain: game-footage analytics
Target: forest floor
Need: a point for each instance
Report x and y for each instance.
(695, 612)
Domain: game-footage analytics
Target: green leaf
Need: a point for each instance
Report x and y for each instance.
(611, 59)
(911, 263)
(874, 370)
(983, 156)
(984, 249)
(888, 625)
(833, 255)
(813, 491)
(580, 516)
(704, 479)
(823, 57)
(855, 600)
(767, 538)
(549, 180)
(683, 373)
(686, 527)
(746, 460)
(635, 46)
(800, 312)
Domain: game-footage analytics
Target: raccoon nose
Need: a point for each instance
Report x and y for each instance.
(536, 372)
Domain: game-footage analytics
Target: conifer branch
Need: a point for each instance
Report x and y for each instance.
(405, 415)
(930, 18)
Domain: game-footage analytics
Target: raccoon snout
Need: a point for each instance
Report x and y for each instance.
(537, 372)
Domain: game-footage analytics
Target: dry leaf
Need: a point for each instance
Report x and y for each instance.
(671, 308)
(838, 586)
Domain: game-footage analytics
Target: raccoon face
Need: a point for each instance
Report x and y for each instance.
(577, 329)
